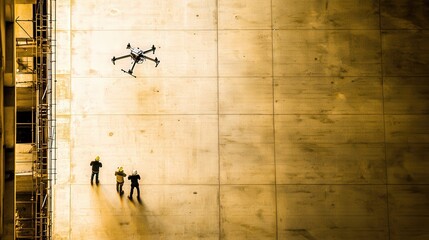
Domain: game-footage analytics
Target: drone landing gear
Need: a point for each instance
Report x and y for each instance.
(129, 72)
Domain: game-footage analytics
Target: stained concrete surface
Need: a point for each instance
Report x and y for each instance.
(264, 120)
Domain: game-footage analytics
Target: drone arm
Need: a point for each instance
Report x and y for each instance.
(150, 50)
(156, 61)
(117, 58)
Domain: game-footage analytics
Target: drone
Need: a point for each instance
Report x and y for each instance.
(138, 56)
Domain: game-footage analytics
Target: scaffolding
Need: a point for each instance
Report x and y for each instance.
(44, 166)
(43, 69)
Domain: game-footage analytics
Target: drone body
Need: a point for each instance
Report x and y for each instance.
(138, 56)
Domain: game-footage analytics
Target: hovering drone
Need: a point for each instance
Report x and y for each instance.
(138, 56)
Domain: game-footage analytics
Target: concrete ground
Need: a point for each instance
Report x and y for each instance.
(282, 119)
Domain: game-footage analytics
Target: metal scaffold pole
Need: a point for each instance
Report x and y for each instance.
(44, 165)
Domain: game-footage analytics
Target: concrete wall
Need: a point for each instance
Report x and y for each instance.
(282, 119)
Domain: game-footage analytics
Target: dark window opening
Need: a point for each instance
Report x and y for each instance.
(24, 127)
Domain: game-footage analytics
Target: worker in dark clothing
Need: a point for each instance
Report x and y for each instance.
(120, 180)
(96, 165)
(134, 184)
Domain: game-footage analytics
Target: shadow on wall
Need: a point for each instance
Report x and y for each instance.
(117, 215)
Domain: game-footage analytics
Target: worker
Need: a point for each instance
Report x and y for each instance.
(96, 165)
(135, 177)
(120, 180)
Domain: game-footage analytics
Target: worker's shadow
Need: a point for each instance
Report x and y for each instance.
(134, 201)
(128, 216)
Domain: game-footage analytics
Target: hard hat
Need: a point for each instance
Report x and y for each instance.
(120, 169)
(134, 172)
(97, 158)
